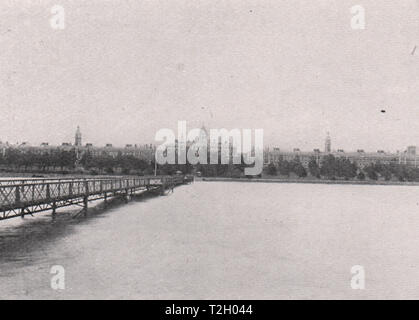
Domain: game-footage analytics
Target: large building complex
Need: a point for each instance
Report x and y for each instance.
(140, 151)
(361, 157)
(271, 154)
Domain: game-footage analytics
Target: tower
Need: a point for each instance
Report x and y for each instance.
(328, 144)
(78, 137)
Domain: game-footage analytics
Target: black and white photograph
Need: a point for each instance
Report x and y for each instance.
(209, 150)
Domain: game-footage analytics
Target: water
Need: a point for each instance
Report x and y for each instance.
(222, 240)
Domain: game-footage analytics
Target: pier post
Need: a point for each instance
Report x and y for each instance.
(86, 198)
(48, 193)
(85, 205)
(17, 195)
(54, 208)
(18, 202)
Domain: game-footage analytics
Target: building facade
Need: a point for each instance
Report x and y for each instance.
(140, 151)
(362, 158)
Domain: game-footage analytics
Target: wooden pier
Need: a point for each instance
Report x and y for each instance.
(20, 197)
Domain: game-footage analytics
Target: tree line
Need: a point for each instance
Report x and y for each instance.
(68, 161)
(332, 168)
(17, 159)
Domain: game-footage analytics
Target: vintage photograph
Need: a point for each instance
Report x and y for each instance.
(209, 150)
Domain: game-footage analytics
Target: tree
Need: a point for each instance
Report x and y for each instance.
(313, 168)
(298, 168)
(87, 160)
(12, 157)
(371, 173)
(347, 169)
(271, 169)
(284, 168)
(338, 167)
(329, 167)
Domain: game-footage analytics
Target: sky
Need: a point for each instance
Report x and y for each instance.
(122, 70)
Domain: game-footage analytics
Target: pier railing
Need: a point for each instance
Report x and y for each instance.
(26, 196)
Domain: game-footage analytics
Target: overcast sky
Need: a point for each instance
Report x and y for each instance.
(124, 69)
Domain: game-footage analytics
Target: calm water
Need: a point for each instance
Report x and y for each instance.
(220, 240)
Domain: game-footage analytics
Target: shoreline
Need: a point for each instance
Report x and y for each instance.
(273, 180)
